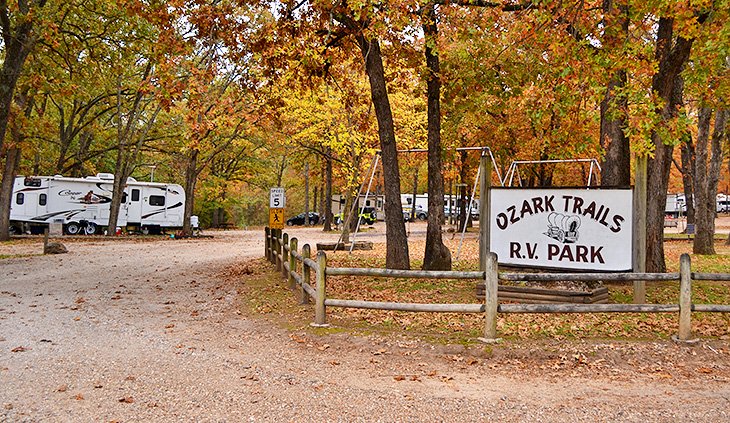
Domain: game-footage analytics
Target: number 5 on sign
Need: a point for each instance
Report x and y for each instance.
(277, 200)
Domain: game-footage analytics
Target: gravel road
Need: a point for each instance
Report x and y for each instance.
(130, 330)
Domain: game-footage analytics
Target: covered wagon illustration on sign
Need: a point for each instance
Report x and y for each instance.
(563, 228)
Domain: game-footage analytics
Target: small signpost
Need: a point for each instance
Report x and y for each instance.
(277, 201)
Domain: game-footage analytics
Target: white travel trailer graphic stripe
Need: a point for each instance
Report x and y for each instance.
(68, 214)
(161, 211)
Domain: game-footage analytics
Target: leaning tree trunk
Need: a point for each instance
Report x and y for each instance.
(666, 87)
(436, 256)
(395, 229)
(12, 159)
(706, 178)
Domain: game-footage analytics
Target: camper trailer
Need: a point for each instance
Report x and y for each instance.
(82, 205)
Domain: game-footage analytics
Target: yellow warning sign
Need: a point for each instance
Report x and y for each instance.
(276, 218)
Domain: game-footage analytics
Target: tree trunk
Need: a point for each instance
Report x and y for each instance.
(436, 256)
(414, 194)
(666, 87)
(706, 178)
(395, 229)
(117, 189)
(327, 198)
(616, 166)
(12, 159)
(306, 194)
(688, 160)
(191, 179)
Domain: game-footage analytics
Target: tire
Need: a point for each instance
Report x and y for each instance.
(422, 216)
(91, 228)
(73, 228)
(145, 230)
(289, 223)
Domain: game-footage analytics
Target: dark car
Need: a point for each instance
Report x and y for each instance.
(299, 219)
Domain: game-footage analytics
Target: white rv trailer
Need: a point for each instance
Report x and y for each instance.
(82, 204)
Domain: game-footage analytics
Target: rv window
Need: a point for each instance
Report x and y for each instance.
(42, 199)
(32, 182)
(157, 200)
(135, 195)
(20, 198)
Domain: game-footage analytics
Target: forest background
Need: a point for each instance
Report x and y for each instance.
(232, 98)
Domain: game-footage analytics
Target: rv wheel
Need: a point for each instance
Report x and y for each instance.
(145, 230)
(90, 228)
(73, 228)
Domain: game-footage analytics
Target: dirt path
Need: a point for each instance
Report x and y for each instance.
(144, 331)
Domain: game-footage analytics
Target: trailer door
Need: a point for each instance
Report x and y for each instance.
(134, 211)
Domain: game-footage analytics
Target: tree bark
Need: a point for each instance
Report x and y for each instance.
(616, 166)
(395, 229)
(436, 256)
(327, 198)
(191, 179)
(12, 159)
(671, 56)
(306, 194)
(706, 178)
(414, 194)
(688, 160)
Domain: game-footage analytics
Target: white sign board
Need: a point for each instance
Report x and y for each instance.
(277, 199)
(562, 228)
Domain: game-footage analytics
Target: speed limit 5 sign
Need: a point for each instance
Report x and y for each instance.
(277, 199)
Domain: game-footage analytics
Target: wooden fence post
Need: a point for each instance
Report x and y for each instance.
(292, 262)
(685, 298)
(485, 189)
(491, 303)
(277, 252)
(267, 243)
(306, 274)
(284, 254)
(320, 314)
(639, 235)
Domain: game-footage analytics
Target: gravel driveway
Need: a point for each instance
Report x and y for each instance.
(125, 330)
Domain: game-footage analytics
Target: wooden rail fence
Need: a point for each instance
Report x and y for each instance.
(297, 268)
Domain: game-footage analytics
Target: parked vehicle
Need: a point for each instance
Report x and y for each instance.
(82, 204)
(299, 219)
(723, 203)
(420, 213)
(367, 216)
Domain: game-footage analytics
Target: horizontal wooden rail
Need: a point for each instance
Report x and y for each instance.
(392, 273)
(297, 277)
(711, 308)
(309, 290)
(588, 308)
(711, 276)
(434, 308)
(586, 277)
(311, 263)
